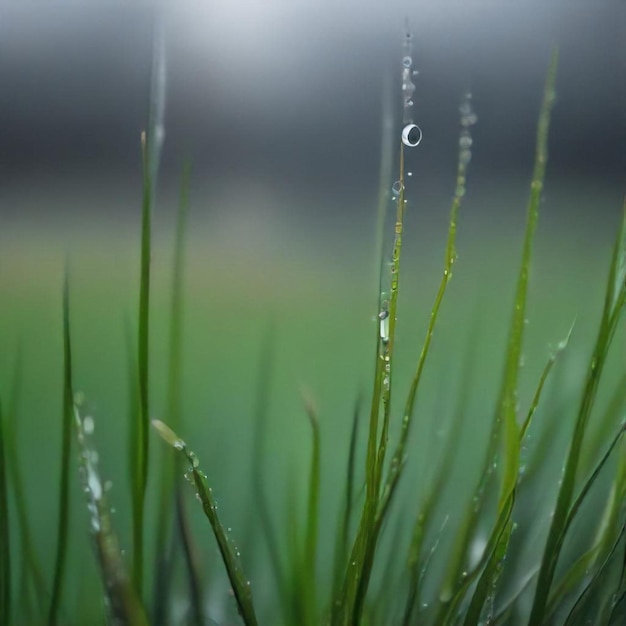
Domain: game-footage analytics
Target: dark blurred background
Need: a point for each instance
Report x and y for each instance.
(281, 101)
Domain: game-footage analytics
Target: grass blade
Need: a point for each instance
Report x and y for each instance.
(570, 620)
(174, 401)
(312, 519)
(615, 300)
(542, 380)
(505, 435)
(141, 452)
(191, 562)
(66, 442)
(239, 583)
(123, 603)
(5, 541)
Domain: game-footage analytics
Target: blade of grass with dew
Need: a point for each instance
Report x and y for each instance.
(66, 444)
(312, 518)
(239, 583)
(615, 301)
(358, 572)
(505, 434)
(174, 401)
(542, 380)
(342, 537)
(123, 603)
(468, 118)
(31, 573)
(361, 559)
(5, 540)
(191, 561)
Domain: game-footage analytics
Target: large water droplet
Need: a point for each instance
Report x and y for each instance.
(411, 135)
(396, 188)
(407, 61)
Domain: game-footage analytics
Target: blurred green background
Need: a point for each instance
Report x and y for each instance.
(318, 291)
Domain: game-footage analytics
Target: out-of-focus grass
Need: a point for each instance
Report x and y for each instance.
(300, 289)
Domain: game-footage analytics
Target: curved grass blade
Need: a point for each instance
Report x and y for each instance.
(615, 301)
(123, 603)
(505, 435)
(174, 402)
(66, 443)
(239, 583)
(5, 541)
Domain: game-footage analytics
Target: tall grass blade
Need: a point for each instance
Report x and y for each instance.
(239, 583)
(615, 301)
(357, 575)
(64, 485)
(151, 147)
(141, 452)
(174, 401)
(505, 434)
(122, 601)
(5, 540)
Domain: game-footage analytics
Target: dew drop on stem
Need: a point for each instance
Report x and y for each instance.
(411, 135)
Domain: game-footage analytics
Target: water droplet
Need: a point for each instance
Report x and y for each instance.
(411, 135)
(407, 61)
(409, 174)
(396, 188)
(179, 444)
(465, 142)
(88, 425)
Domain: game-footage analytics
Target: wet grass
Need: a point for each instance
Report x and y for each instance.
(437, 553)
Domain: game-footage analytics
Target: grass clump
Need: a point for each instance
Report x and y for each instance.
(442, 581)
